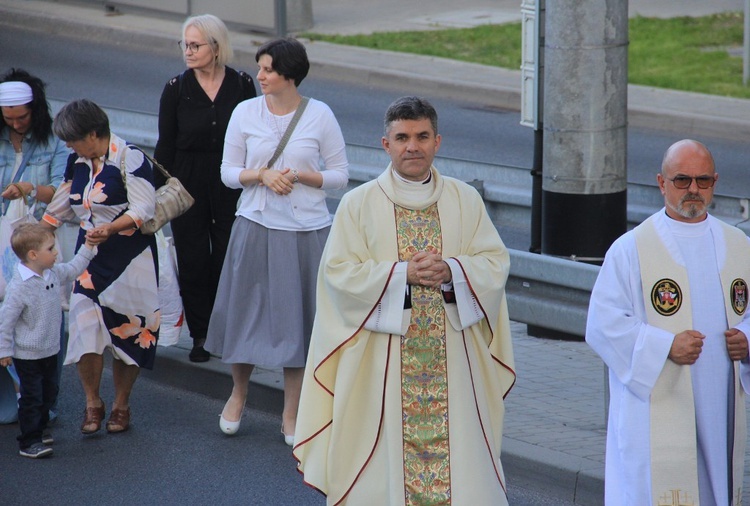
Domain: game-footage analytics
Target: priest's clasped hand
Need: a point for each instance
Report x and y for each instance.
(686, 347)
(427, 268)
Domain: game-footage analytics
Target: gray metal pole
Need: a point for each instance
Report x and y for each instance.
(281, 21)
(585, 127)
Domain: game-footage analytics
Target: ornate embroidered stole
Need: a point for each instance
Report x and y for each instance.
(424, 380)
(666, 293)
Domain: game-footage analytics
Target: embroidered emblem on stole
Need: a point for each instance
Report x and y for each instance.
(424, 374)
(738, 296)
(666, 297)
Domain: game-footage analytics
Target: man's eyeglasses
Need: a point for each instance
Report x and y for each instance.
(684, 182)
(191, 47)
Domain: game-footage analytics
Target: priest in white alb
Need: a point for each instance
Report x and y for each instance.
(668, 317)
(410, 359)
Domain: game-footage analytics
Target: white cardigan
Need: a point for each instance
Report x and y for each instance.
(249, 144)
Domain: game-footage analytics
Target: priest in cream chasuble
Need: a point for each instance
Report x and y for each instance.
(411, 357)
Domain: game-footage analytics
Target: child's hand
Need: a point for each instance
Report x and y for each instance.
(5, 361)
(89, 243)
(99, 234)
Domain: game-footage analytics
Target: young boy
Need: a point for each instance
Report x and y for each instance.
(30, 319)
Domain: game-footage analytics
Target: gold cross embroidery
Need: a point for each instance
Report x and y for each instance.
(673, 499)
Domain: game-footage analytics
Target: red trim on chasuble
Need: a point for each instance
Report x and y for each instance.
(380, 427)
(479, 416)
(331, 393)
(489, 324)
(359, 329)
(424, 371)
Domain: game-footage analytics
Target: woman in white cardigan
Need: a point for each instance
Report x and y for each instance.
(265, 303)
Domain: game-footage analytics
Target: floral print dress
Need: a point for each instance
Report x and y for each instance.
(115, 301)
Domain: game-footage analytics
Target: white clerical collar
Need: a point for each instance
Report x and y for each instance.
(688, 229)
(413, 191)
(426, 180)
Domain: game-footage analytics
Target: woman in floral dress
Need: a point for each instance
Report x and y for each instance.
(108, 187)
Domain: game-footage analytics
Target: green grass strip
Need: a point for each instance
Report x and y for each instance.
(702, 54)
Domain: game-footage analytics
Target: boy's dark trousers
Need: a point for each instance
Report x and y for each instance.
(38, 394)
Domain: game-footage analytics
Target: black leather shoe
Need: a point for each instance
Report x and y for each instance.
(199, 354)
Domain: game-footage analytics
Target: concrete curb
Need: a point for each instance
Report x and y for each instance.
(213, 378)
(576, 480)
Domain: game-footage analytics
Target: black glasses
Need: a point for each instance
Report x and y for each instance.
(684, 182)
(192, 47)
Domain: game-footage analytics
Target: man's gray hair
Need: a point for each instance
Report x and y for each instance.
(410, 108)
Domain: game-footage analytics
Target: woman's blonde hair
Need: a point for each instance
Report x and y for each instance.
(216, 34)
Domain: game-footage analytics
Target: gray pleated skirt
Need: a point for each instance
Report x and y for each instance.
(265, 303)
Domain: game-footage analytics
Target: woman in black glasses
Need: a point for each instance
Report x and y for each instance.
(193, 116)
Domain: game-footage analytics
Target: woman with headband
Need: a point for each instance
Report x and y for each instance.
(32, 162)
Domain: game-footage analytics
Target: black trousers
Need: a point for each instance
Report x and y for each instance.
(38, 394)
(201, 236)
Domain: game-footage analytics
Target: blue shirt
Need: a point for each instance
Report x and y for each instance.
(46, 165)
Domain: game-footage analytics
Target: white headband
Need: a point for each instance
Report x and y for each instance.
(15, 93)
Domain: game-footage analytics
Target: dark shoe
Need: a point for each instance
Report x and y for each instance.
(119, 421)
(199, 354)
(47, 439)
(92, 419)
(35, 451)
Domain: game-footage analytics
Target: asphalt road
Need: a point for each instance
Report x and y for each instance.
(174, 453)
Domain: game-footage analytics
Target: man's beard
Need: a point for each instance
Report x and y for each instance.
(689, 206)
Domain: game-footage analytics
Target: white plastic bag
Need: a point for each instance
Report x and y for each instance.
(66, 237)
(18, 212)
(169, 292)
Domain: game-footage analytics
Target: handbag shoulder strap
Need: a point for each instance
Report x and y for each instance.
(288, 131)
(153, 161)
(24, 162)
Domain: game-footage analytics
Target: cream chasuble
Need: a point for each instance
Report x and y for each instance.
(411, 417)
(674, 462)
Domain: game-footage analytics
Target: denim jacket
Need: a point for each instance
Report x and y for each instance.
(46, 165)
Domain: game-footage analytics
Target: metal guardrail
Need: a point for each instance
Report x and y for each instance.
(542, 291)
(550, 292)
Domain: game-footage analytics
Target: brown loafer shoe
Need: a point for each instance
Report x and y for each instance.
(119, 420)
(92, 419)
